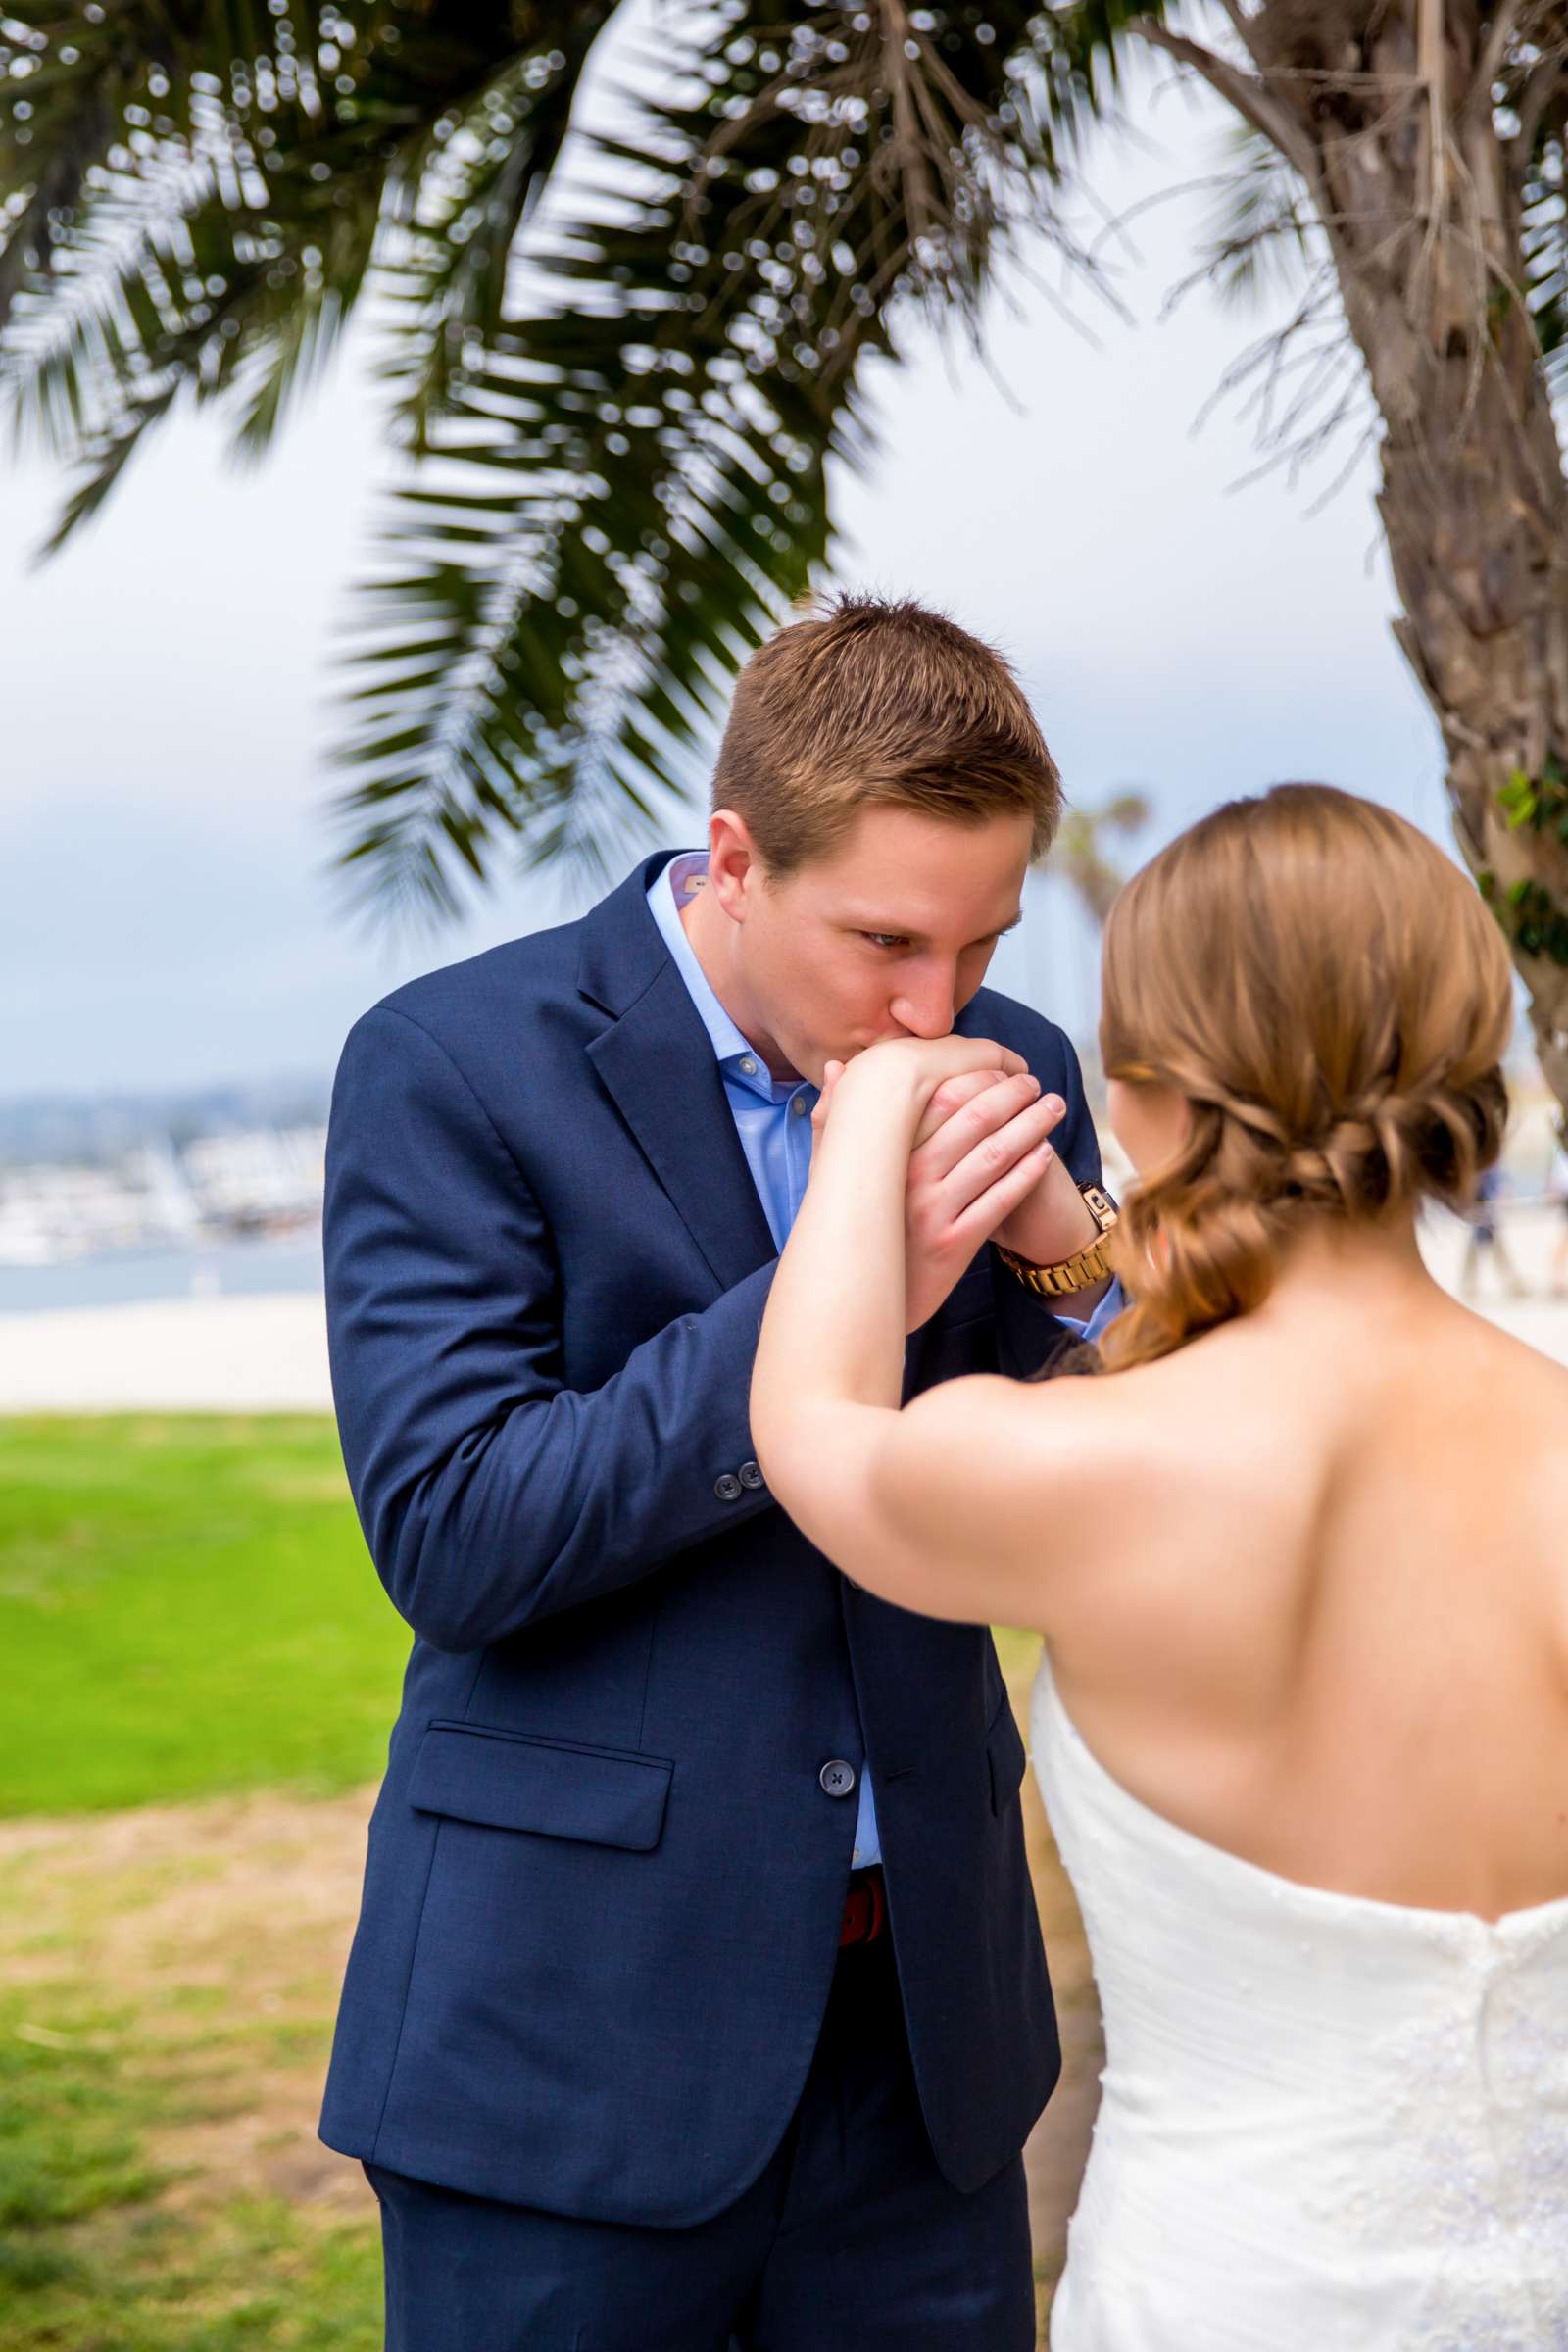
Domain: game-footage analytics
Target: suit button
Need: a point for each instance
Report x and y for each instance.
(837, 1776)
(751, 1476)
(727, 1487)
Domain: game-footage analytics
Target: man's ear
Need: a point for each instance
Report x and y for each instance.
(735, 870)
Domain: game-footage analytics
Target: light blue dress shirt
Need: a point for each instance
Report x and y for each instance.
(773, 1119)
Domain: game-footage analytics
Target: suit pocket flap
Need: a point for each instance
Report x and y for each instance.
(510, 1781)
(1007, 1758)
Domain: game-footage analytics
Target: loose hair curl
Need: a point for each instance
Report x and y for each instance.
(1332, 999)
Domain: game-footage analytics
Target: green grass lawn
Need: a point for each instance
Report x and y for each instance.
(187, 1611)
(187, 1606)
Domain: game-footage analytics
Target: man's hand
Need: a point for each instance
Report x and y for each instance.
(1053, 1221)
(976, 1128)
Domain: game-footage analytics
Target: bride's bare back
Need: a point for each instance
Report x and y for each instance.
(1324, 1621)
(1299, 1552)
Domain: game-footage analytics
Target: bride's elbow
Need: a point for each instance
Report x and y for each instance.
(785, 1445)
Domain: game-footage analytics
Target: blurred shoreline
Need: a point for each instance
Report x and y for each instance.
(224, 1267)
(259, 1345)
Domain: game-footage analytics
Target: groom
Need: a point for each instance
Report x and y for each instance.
(697, 1994)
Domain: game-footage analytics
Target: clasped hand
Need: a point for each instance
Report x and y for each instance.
(981, 1165)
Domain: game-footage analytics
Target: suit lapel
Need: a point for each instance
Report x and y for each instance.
(656, 1063)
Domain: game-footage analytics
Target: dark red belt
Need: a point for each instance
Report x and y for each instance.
(866, 1909)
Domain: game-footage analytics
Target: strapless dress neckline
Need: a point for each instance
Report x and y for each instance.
(1220, 1858)
(1328, 2123)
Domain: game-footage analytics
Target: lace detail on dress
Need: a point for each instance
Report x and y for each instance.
(1472, 2178)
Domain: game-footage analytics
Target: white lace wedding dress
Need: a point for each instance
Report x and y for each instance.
(1327, 2125)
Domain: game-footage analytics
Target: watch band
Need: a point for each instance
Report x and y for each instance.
(1084, 1268)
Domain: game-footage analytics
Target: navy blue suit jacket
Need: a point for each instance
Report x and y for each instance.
(603, 1880)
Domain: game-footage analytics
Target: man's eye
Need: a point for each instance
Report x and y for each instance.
(885, 939)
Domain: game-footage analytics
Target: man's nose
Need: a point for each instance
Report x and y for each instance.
(927, 1011)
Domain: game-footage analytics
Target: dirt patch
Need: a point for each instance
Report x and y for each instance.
(222, 1928)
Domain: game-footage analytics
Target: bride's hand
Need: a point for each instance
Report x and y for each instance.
(914, 1069)
(832, 1072)
(951, 1095)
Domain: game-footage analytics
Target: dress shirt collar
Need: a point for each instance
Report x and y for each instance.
(672, 886)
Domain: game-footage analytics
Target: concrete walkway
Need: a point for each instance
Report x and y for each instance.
(222, 1355)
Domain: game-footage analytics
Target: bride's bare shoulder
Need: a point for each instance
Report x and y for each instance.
(1130, 1450)
(1518, 1367)
(1103, 1419)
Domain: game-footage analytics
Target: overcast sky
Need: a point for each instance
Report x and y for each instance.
(166, 919)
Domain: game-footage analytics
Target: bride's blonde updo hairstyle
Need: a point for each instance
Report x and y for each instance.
(1330, 995)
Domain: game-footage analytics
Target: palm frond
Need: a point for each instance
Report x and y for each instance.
(621, 420)
(465, 215)
(218, 247)
(634, 477)
(556, 623)
(1260, 234)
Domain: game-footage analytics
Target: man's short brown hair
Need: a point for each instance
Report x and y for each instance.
(874, 703)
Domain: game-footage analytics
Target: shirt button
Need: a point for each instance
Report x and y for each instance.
(797, 1106)
(751, 1475)
(749, 1068)
(727, 1487)
(837, 1776)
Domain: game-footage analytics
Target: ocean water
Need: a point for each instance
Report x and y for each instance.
(231, 1269)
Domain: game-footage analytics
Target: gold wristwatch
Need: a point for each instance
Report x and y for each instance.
(1084, 1268)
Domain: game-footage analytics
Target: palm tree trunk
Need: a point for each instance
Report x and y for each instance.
(1472, 498)
(1386, 113)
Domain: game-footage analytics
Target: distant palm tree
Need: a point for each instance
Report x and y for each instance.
(1080, 856)
(624, 391)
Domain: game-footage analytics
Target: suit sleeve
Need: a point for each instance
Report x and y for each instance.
(491, 1494)
(1028, 1334)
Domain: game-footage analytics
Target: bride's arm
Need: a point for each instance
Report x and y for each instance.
(936, 1507)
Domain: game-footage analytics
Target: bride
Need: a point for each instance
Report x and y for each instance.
(1299, 1556)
